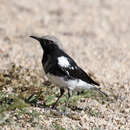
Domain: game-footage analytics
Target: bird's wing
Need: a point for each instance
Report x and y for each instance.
(75, 72)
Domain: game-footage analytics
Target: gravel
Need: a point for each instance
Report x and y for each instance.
(95, 33)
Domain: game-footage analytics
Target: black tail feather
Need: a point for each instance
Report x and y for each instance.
(95, 83)
(98, 90)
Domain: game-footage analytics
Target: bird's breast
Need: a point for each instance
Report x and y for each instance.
(59, 81)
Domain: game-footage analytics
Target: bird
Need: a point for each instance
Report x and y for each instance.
(62, 70)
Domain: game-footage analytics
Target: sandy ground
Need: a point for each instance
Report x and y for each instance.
(95, 33)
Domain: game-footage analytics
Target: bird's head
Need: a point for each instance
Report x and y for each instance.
(48, 43)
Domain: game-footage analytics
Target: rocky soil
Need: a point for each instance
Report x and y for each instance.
(95, 33)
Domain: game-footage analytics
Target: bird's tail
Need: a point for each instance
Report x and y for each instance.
(98, 90)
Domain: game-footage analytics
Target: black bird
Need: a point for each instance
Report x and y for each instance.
(62, 70)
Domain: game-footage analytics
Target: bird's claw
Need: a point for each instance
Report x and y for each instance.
(54, 107)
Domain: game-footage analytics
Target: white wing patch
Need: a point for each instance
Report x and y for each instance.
(63, 62)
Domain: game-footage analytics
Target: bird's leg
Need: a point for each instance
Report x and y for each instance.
(61, 93)
(69, 95)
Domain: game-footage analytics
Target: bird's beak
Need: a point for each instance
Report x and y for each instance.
(37, 38)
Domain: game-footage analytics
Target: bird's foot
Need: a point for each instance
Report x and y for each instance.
(66, 111)
(54, 107)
